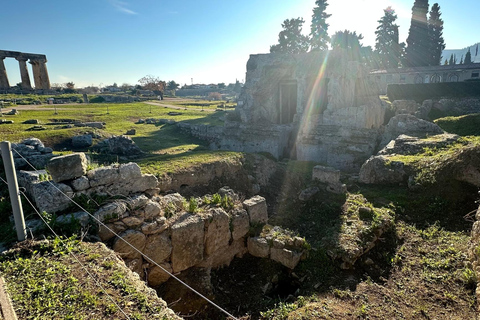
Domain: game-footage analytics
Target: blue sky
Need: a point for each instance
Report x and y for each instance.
(99, 42)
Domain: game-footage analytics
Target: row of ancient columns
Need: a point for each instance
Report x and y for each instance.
(40, 74)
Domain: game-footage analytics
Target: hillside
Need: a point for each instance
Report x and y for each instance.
(462, 52)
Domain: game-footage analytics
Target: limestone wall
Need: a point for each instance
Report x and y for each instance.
(169, 230)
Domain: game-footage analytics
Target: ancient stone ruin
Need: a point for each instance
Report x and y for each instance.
(172, 231)
(310, 107)
(39, 67)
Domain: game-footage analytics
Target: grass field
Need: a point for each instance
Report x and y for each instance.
(166, 147)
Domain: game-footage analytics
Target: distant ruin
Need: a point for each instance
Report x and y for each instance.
(39, 67)
(312, 107)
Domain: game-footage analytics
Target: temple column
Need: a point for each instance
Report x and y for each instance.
(3, 75)
(44, 79)
(36, 73)
(24, 73)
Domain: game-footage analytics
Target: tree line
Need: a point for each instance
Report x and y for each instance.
(424, 45)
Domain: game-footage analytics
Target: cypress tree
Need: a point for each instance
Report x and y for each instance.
(468, 57)
(435, 35)
(386, 43)
(319, 38)
(417, 52)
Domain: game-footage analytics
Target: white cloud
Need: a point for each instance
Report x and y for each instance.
(121, 6)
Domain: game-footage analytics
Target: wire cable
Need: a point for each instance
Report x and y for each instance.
(71, 253)
(131, 246)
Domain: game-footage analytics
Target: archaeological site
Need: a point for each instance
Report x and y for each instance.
(318, 189)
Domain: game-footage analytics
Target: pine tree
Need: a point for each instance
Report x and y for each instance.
(290, 39)
(386, 42)
(468, 57)
(319, 38)
(417, 52)
(445, 63)
(461, 60)
(350, 42)
(435, 35)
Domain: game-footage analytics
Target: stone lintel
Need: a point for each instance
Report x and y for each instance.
(22, 55)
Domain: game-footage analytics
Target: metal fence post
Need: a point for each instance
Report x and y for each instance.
(13, 190)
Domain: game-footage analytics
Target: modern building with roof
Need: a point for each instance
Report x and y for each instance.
(433, 74)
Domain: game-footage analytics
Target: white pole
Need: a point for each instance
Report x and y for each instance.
(13, 190)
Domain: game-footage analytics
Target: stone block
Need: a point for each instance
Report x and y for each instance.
(67, 167)
(132, 222)
(51, 197)
(258, 247)
(152, 210)
(82, 141)
(223, 256)
(107, 233)
(326, 174)
(157, 226)
(158, 247)
(157, 276)
(103, 176)
(187, 240)
(286, 257)
(130, 238)
(240, 224)
(80, 184)
(257, 209)
(111, 211)
(217, 231)
(136, 266)
(138, 201)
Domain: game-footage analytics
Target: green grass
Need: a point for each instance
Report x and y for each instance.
(466, 125)
(45, 281)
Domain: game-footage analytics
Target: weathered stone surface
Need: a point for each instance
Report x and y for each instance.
(257, 209)
(379, 170)
(137, 201)
(240, 224)
(410, 145)
(227, 191)
(82, 141)
(217, 230)
(83, 218)
(134, 238)
(27, 178)
(121, 180)
(67, 167)
(258, 247)
(409, 125)
(158, 247)
(187, 241)
(122, 145)
(132, 222)
(80, 184)
(111, 211)
(152, 210)
(308, 193)
(326, 174)
(51, 197)
(223, 256)
(107, 233)
(174, 199)
(338, 188)
(157, 226)
(156, 276)
(103, 176)
(405, 106)
(288, 258)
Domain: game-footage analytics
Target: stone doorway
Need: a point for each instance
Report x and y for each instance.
(287, 101)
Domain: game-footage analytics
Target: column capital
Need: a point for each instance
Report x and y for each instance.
(37, 60)
(21, 58)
